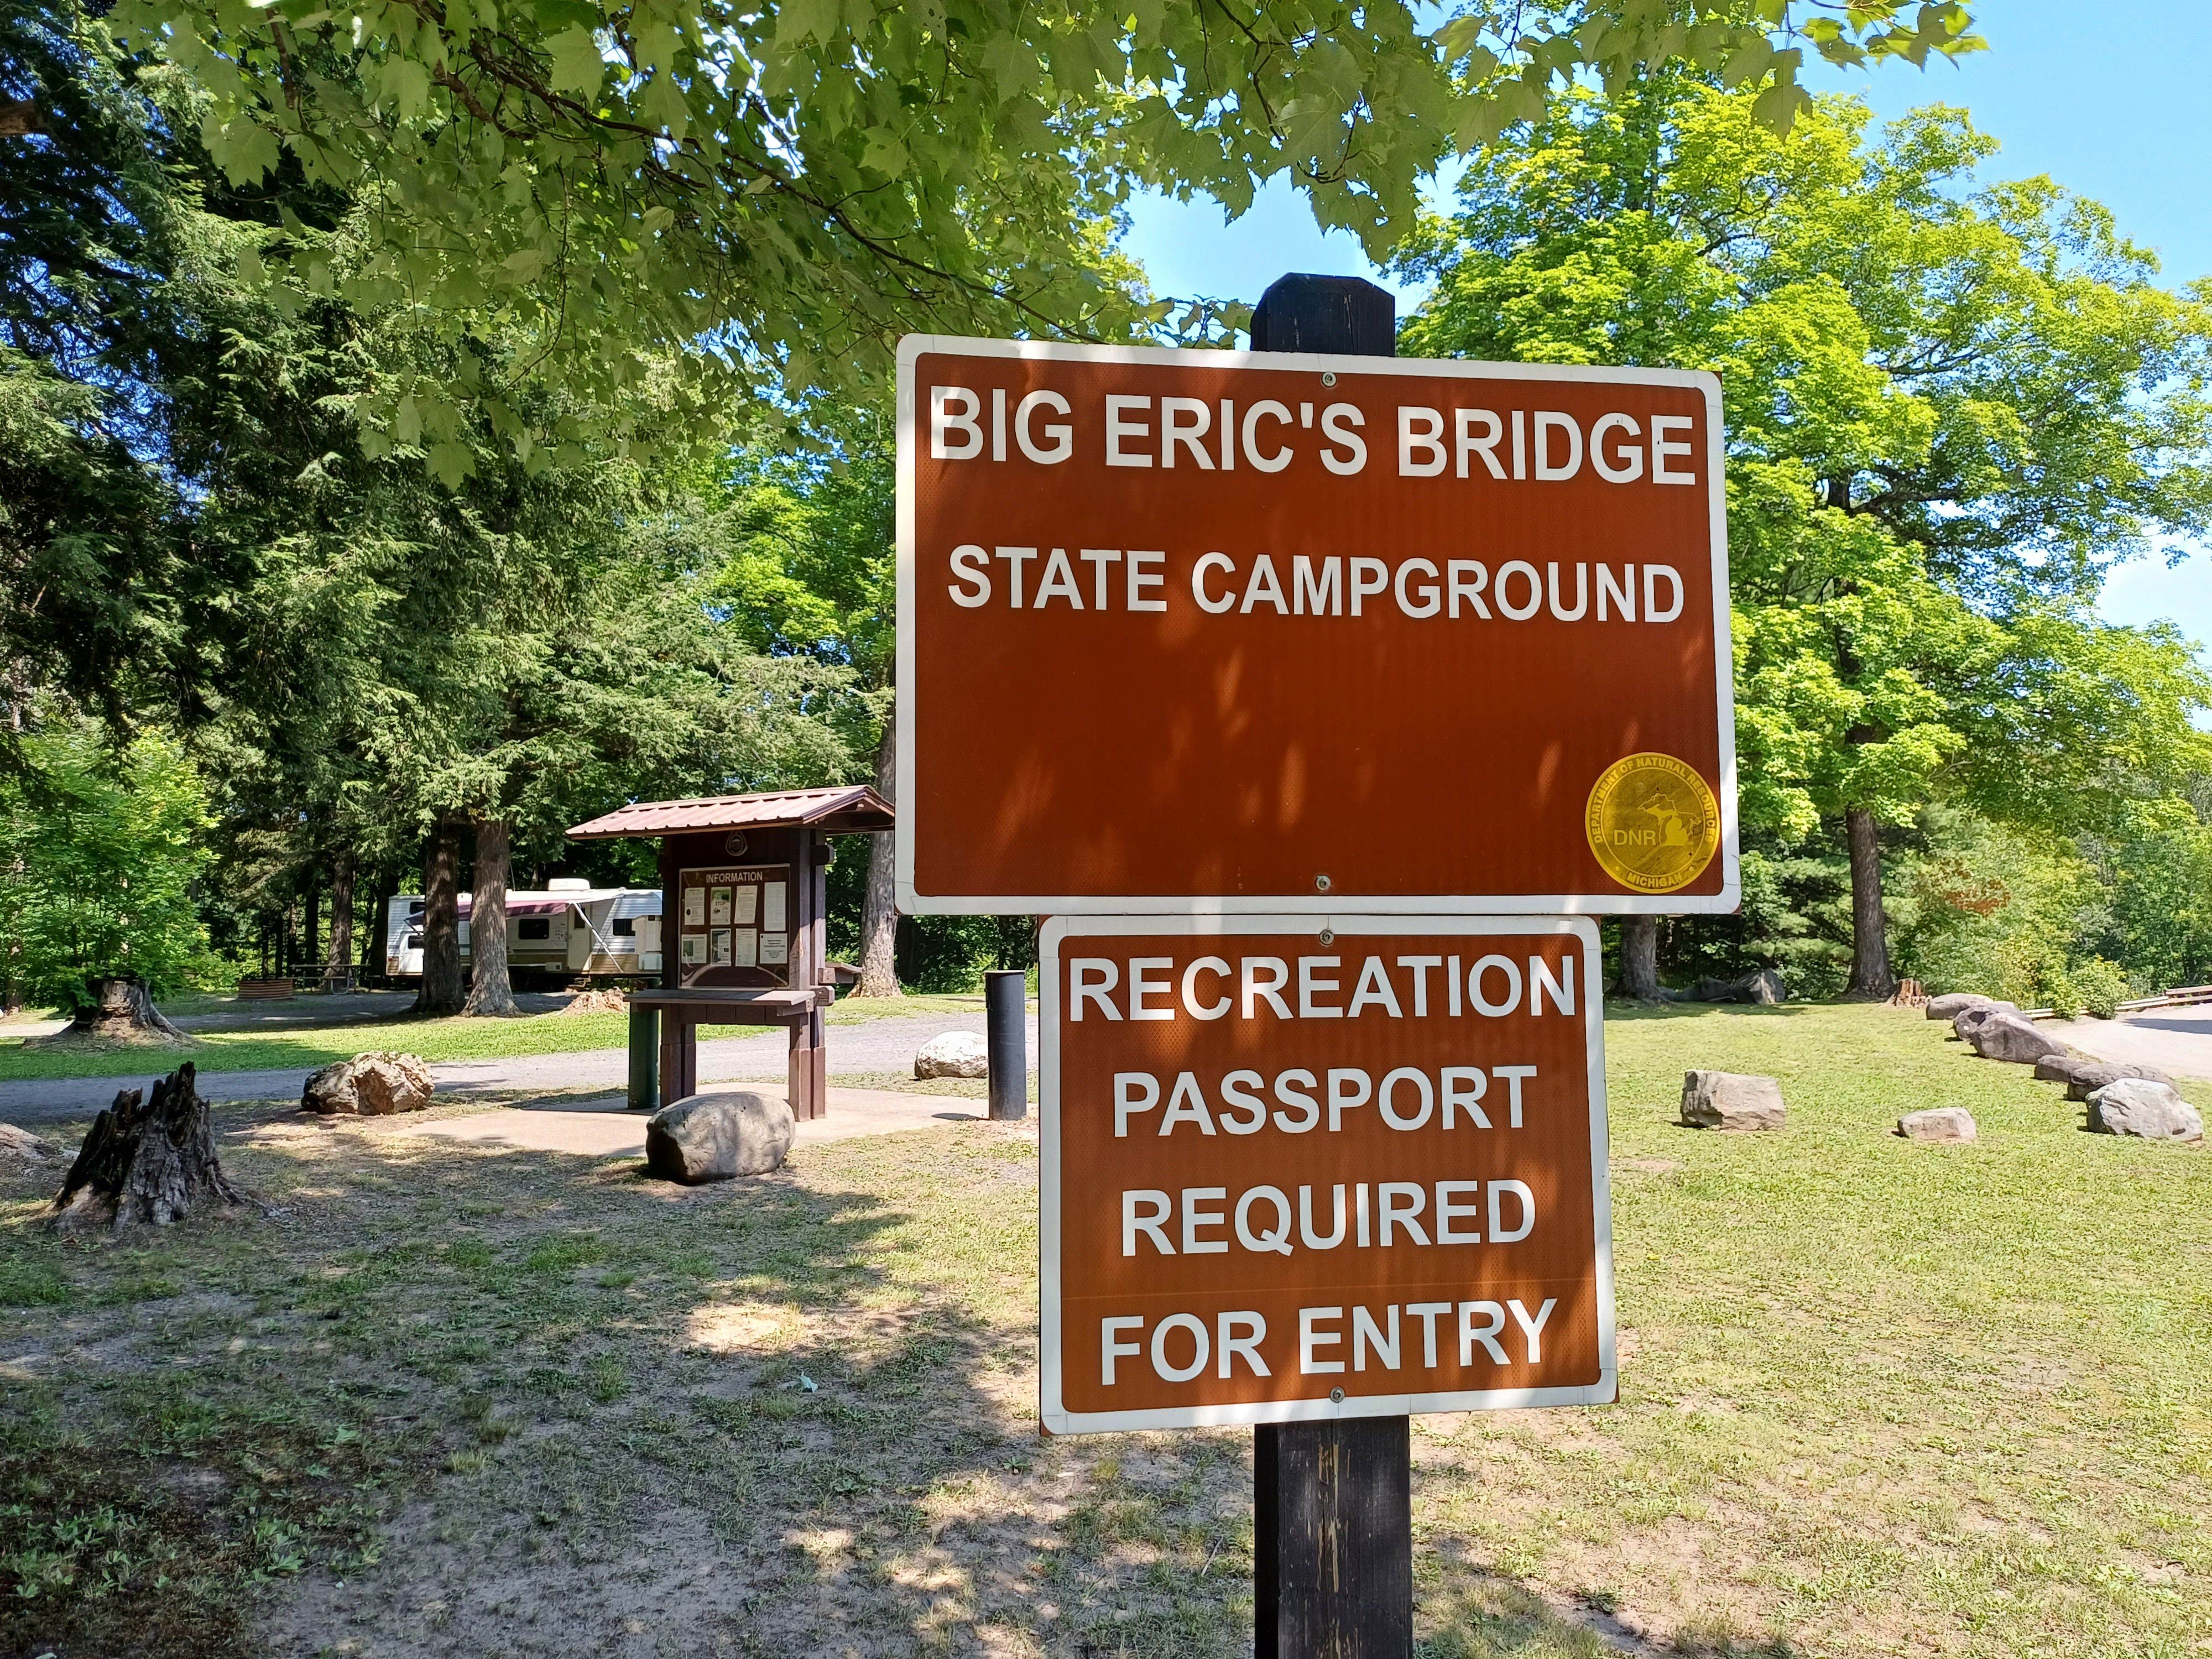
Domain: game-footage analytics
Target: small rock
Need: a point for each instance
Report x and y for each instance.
(1951, 1004)
(1731, 1100)
(19, 1146)
(2136, 1106)
(1937, 1123)
(714, 1137)
(956, 1053)
(374, 1084)
(2008, 1036)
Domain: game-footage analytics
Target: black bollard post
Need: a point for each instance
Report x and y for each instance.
(1005, 1009)
(1333, 1518)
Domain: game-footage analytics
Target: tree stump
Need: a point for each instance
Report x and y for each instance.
(122, 1011)
(146, 1165)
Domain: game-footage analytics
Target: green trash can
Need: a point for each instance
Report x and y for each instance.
(644, 1059)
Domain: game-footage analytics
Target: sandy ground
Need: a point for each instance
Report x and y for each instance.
(2176, 1040)
(873, 1046)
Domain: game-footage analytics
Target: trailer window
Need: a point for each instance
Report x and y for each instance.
(625, 927)
(414, 942)
(534, 928)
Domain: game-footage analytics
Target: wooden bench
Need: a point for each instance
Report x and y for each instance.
(264, 990)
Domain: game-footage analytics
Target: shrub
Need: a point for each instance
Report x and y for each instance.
(2102, 987)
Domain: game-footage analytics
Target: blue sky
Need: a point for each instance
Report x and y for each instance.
(2109, 97)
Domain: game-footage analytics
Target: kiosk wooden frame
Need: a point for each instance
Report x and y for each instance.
(749, 839)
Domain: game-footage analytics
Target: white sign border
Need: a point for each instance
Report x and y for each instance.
(914, 903)
(1054, 1415)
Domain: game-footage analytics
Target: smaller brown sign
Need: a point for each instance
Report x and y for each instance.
(733, 925)
(1296, 1169)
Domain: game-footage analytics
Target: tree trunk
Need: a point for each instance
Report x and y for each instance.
(146, 1165)
(311, 908)
(122, 1011)
(1870, 972)
(880, 905)
(489, 991)
(340, 959)
(373, 939)
(441, 925)
(1639, 957)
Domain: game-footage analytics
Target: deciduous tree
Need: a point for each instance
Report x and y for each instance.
(1950, 408)
(98, 851)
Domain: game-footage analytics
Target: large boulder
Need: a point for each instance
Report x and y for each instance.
(1951, 1004)
(1762, 986)
(2083, 1075)
(956, 1053)
(374, 1084)
(1731, 1100)
(2136, 1106)
(1937, 1123)
(1967, 1021)
(2009, 1037)
(714, 1137)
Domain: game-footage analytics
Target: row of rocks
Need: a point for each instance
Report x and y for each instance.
(2122, 1099)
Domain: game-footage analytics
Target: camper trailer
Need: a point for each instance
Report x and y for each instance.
(571, 930)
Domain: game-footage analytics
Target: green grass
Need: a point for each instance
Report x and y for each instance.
(1877, 1399)
(455, 1038)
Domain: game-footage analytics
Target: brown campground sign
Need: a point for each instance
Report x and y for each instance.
(1294, 1173)
(1221, 632)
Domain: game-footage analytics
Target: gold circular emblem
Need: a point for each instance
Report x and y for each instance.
(1652, 823)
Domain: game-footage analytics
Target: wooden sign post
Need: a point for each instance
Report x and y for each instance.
(1316, 1178)
(1331, 1502)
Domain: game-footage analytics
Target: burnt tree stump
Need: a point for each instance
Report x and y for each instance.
(146, 1163)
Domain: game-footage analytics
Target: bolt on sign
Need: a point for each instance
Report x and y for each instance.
(1214, 631)
(1293, 1173)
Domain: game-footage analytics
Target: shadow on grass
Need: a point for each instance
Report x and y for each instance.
(480, 1399)
(460, 1398)
(1623, 1009)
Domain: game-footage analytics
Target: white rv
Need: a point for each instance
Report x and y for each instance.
(571, 930)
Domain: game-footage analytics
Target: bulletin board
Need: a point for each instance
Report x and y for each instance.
(733, 925)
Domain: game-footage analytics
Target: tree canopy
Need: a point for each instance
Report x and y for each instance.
(580, 188)
(1951, 408)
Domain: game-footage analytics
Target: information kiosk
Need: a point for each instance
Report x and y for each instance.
(743, 884)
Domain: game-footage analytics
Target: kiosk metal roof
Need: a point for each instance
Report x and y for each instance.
(850, 809)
